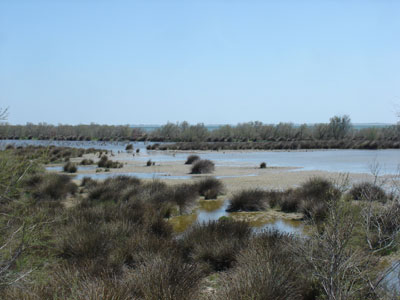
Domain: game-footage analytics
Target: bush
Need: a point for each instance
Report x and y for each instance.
(86, 162)
(216, 243)
(50, 186)
(265, 270)
(115, 189)
(202, 167)
(368, 191)
(184, 195)
(70, 167)
(263, 165)
(210, 188)
(191, 159)
(167, 277)
(129, 147)
(290, 201)
(311, 198)
(248, 200)
(88, 182)
(149, 163)
(104, 162)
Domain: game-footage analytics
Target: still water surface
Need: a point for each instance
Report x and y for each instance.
(353, 161)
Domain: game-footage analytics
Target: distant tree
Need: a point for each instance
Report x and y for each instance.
(339, 126)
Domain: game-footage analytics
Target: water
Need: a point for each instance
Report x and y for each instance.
(392, 281)
(213, 210)
(60, 168)
(352, 161)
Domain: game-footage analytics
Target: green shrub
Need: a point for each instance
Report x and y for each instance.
(263, 165)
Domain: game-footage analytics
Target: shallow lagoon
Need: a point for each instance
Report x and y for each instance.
(352, 161)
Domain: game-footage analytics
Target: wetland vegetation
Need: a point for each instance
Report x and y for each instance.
(115, 239)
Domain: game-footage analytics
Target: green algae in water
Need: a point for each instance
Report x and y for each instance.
(211, 205)
(181, 223)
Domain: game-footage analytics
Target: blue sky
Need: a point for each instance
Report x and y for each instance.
(149, 62)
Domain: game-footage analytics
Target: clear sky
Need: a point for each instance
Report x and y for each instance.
(149, 62)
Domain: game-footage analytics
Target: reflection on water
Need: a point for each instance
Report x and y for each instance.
(212, 210)
(283, 225)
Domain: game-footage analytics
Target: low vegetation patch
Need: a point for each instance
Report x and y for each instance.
(70, 167)
(50, 186)
(210, 188)
(191, 159)
(368, 192)
(248, 200)
(227, 237)
(104, 162)
(203, 166)
(86, 162)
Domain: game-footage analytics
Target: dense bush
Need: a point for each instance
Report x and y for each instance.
(263, 165)
(50, 186)
(248, 200)
(216, 243)
(129, 147)
(168, 277)
(266, 269)
(203, 167)
(86, 162)
(368, 191)
(149, 163)
(210, 187)
(70, 167)
(191, 159)
(104, 162)
(115, 189)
